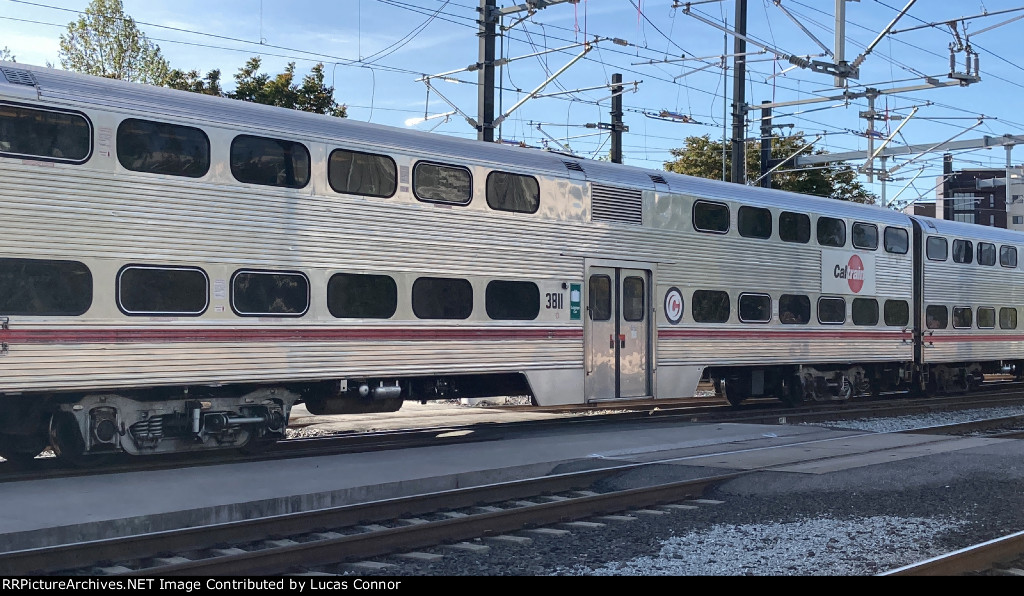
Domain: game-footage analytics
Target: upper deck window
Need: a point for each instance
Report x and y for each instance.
(963, 251)
(865, 236)
(897, 240)
(270, 162)
(754, 222)
(710, 217)
(831, 232)
(513, 192)
(937, 248)
(1008, 256)
(161, 148)
(44, 134)
(986, 253)
(366, 174)
(794, 227)
(442, 184)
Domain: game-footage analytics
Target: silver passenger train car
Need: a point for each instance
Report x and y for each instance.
(178, 271)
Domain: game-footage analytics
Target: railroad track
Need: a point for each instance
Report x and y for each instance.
(308, 541)
(1001, 556)
(662, 411)
(300, 541)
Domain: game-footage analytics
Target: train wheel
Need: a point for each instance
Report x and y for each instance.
(18, 449)
(730, 391)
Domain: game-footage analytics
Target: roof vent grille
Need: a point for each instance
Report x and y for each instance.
(574, 166)
(17, 76)
(658, 179)
(622, 205)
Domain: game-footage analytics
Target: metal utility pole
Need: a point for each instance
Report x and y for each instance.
(485, 102)
(617, 118)
(766, 147)
(739, 106)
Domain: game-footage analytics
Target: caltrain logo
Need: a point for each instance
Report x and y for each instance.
(674, 305)
(853, 273)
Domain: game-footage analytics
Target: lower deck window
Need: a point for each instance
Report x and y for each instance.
(986, 317)
(896, 313)
(865, 311)
(442, 298)
(794, 309)
(755, 308)
(269, 293)
(1007, 318)
(360, 296)
(710, 306)
(44, 288)
(936, 317)
(831, 311)
(512, 300)
(162, 290)
(962, 317)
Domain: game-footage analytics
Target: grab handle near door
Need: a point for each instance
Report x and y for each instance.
(622, 340)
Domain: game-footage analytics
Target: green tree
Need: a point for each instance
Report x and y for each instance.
(702, 157)
(192, 81)
(104, 41)
(281, 90)
(5, 54)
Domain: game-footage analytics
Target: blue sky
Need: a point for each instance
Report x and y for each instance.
(375, 50)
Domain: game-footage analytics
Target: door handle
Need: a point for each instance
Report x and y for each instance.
(611, 341)
(622, 340)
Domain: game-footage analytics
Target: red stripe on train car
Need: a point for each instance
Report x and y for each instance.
(78, 336)
(779, 334)
(967, 337)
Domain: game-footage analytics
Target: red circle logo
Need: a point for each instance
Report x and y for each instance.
(855, 274)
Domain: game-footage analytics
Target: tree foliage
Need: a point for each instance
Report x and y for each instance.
(192, 81)
(5, 54)
(702, 157)
(281, 90)
(106, 42)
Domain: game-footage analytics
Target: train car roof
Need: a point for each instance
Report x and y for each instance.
(966, 230)
(64, 87)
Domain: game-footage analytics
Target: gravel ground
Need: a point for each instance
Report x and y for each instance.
(862, 521)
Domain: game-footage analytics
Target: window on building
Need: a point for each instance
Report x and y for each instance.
(513, 192)
(794, 227)
(986, 253)
(269, 293)
(270, 162)
(794, 309)
(365, 174)
(754, 222)
(831, 311)
(831, 232)
(963, 251)
(40, 287)
(162, 290)
(1008, 256)
(710, 306)
(512, 300)
(936, 248)
(986, 317)
(1007, 318)
(44, 134)
(755, 308)
(710, 217)
(897, 240)
(896, 313)
(963, 317)
(162, 148)
(362, 296)
(439, 183)
(1018, 219)
(865, 311)
(442, 298)
(865, 236)
(936, 316)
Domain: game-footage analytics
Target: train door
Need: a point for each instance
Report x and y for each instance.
(618, 337)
